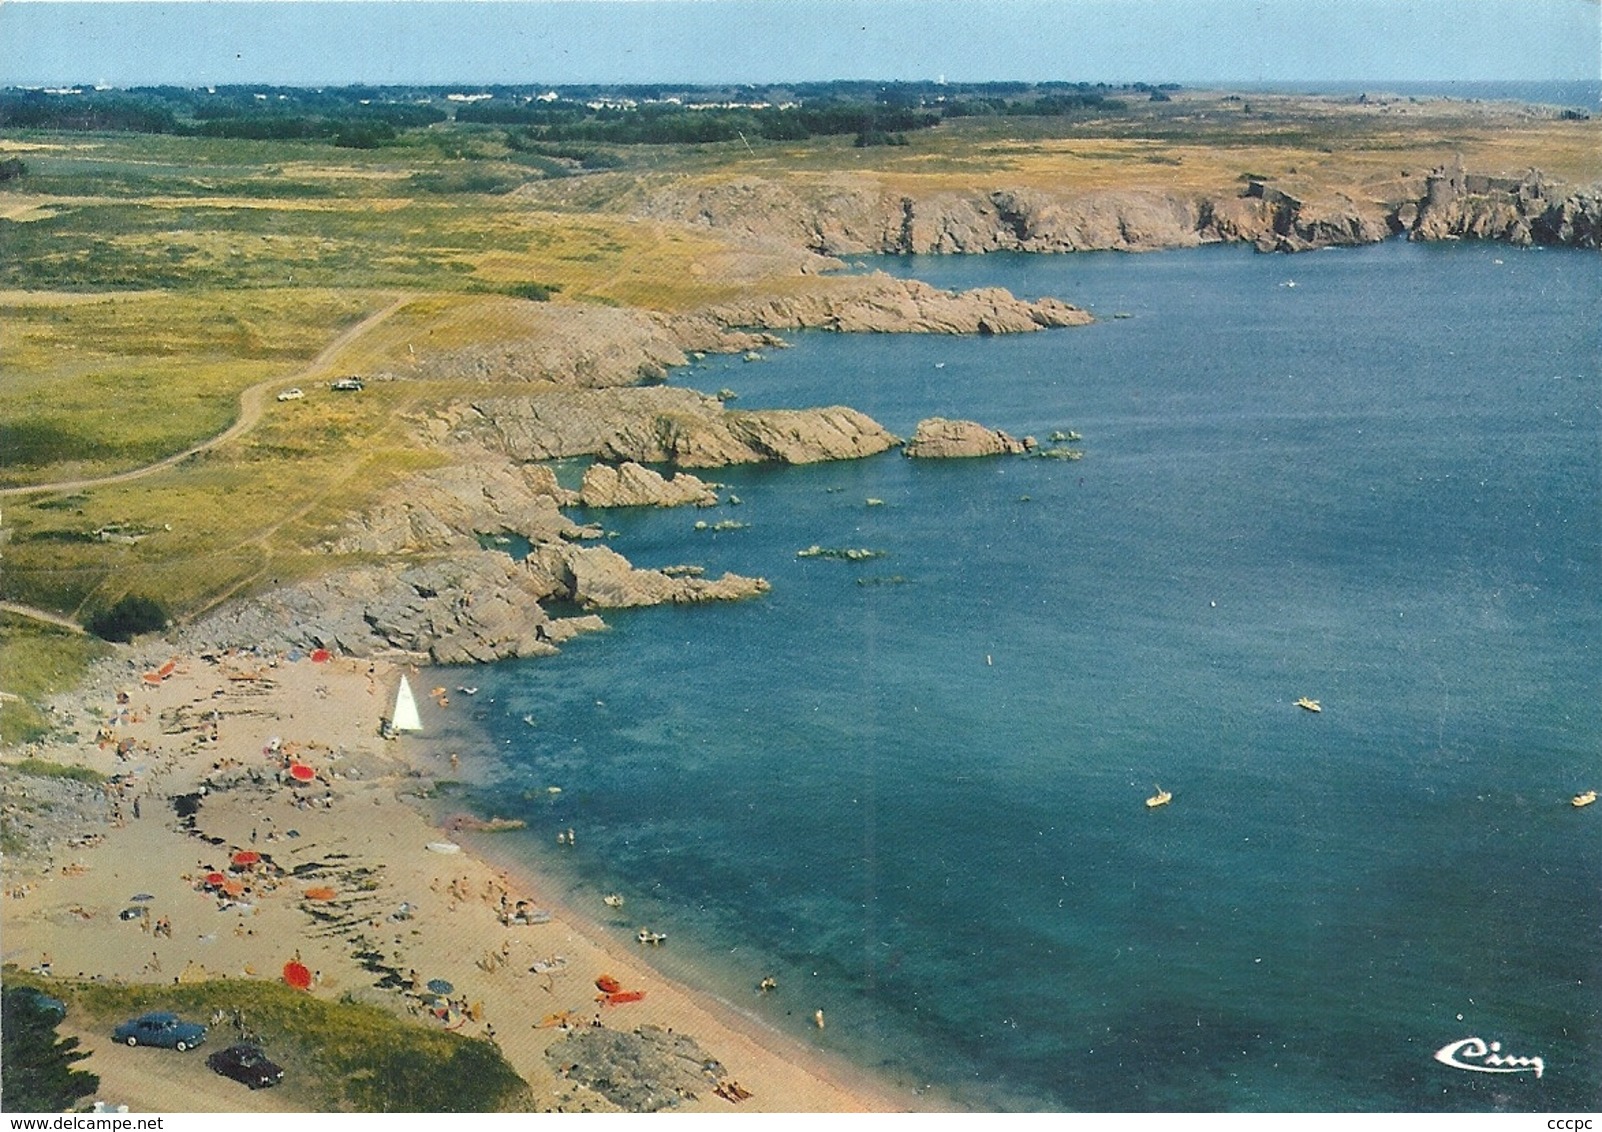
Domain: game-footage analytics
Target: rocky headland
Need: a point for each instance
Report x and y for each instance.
(425, 572)
(847, 217)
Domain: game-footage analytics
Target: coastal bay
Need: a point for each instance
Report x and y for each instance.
(879, 729)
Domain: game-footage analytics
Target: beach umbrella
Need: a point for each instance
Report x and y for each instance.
(321, 656)
(440, 986)
(297, 976)
(215, 879)
(300, 772)
(246, 857)
(321, 892)
(233, 888)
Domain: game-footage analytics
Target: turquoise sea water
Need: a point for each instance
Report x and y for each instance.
(911, 787)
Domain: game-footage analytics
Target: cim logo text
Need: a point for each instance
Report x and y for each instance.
(1476, 1056)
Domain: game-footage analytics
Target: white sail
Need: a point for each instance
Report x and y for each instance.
(405, 717)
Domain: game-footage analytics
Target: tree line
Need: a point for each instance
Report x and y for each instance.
(236, 114)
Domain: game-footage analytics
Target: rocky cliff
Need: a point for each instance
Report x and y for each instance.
(478, 605)
(849, 217)
(655, 425)
(1524, 210)
(842, 219)
(587, 347)
(879, 304)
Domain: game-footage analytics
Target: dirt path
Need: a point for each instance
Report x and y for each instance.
(252, 403)
(46, 616)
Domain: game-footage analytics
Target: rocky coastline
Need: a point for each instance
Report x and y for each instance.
(427, 575)
(853, 219)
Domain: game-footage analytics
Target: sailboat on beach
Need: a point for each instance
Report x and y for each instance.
(404, 717)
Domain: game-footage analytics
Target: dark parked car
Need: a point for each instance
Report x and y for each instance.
(160, 1029)
(349, 385)
(246, 1064)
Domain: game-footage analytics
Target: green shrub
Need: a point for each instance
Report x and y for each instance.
(39, 1074)
(130, 616)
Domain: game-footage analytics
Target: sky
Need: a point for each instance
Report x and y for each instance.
(294, 42)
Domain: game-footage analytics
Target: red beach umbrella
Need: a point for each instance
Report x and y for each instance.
(246, 857)
(300, 772)
(297, 976)
(215, 879)
(321, 656)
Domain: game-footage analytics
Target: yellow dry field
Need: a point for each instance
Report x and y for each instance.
(1200, 143)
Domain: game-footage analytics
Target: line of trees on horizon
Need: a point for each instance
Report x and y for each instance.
(629, 114)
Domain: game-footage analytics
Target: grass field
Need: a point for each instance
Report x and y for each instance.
(36, 662)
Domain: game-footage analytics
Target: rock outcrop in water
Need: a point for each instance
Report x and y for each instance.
(598, 577)
(632, 485)
(940, 439)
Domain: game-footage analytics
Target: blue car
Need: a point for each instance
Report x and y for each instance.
(160, 1029)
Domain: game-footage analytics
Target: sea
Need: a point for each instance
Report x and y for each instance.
(910, 784)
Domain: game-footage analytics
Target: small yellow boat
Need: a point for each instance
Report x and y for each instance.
(1308, 705)
(1583, 799)
(1161, 798)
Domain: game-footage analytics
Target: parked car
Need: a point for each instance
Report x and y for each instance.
(160, 1029)
(246, 1064)
(349, 385)
(291, 395)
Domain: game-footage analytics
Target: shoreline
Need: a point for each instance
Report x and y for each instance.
(360, 830)
(836, 1069)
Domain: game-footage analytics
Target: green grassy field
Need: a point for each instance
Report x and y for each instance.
(36, 662)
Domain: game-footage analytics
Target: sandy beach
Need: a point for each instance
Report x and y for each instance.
(253, 869)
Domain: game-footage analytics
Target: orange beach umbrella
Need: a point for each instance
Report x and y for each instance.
(297, 976)
(300, 772)
(246, 857)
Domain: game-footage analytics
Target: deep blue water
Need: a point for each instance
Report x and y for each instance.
(912, 787)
